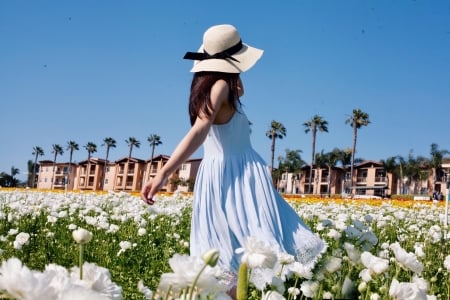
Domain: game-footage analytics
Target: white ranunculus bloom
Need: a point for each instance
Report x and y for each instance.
(124, 246)
(406, 291)
(376, 265)
(406, 259)
(22, 283)
(300, 270)
(435, 234)
(365, 275)
(76, 292)
(285, 258)
(148, 294)
(58, 277)
(82, 236)
(141, 231)
(97, 279)
(185, 269)
(333, 264)
(22, 238)
(272, 295)
(447, 262)
(309, 288)
(334, 234)
(293, 291)
(420, 282)
(348, 288)
(257, 254)
(352, 252)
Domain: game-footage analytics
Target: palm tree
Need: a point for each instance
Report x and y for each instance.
(132, 142)
(90, 148)
(37, 151)
(390, 167)
(30, 167)
(356, 121)
(317, 123)
(71, 146)
(436, 161)
(276, 131)
(293, 164)
(321, 161)
(14, 172)
(332, 159)
(57, 150)
(154, 140)
(109, 142)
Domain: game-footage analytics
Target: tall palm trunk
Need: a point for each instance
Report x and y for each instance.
(313, 154)
(352, 164)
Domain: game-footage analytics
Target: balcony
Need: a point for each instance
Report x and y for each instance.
(380, 179)
(361, 179)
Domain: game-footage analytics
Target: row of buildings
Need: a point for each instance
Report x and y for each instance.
(129, 174)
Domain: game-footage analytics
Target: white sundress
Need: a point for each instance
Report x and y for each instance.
(234, 198)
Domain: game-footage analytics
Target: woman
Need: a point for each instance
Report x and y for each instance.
(234, 197)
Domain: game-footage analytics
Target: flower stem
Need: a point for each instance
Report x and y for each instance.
(195, 281)
(81, 261)
(242, 286)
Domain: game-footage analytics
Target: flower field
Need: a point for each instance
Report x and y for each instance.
(113, 246)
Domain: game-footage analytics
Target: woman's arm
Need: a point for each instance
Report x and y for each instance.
(189, 144)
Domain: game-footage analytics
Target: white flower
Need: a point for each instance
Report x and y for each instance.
(348, 288)
(185, 269)
(406, 259)
(257, 254)
(72, 226)
(82, 236)
(334, 234)
(375, 296)
(333, 264)
(76, 292)
(124, 246)
(418, 250)
(435, 234)
(375, 264)
(98, 279)
(406, 291)
(261, 277)
(300, 270)
(141, 231)
(293, 291)
(447, 262)
(272, 295)
(211, 257)
(22, 283)
(285, 258)
(352, 252)
(148, 294)
(365, 275)
(309, 288)
(22, 238)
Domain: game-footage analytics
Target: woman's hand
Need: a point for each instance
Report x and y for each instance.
(151, 187)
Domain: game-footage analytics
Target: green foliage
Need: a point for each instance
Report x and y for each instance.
(146, 260)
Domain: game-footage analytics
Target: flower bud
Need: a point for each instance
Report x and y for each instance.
(82, 236)
(211, 257)
(362, 287)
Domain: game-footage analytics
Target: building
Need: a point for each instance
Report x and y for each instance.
(129, 174)
(125, 174)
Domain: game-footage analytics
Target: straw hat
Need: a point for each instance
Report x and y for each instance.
(223, 51)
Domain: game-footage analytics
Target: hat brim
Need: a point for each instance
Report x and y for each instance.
(246, 58)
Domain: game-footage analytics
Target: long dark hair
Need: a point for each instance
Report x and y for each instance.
(200, 98)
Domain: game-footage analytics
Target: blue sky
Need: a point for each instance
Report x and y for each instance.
(86, 70)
